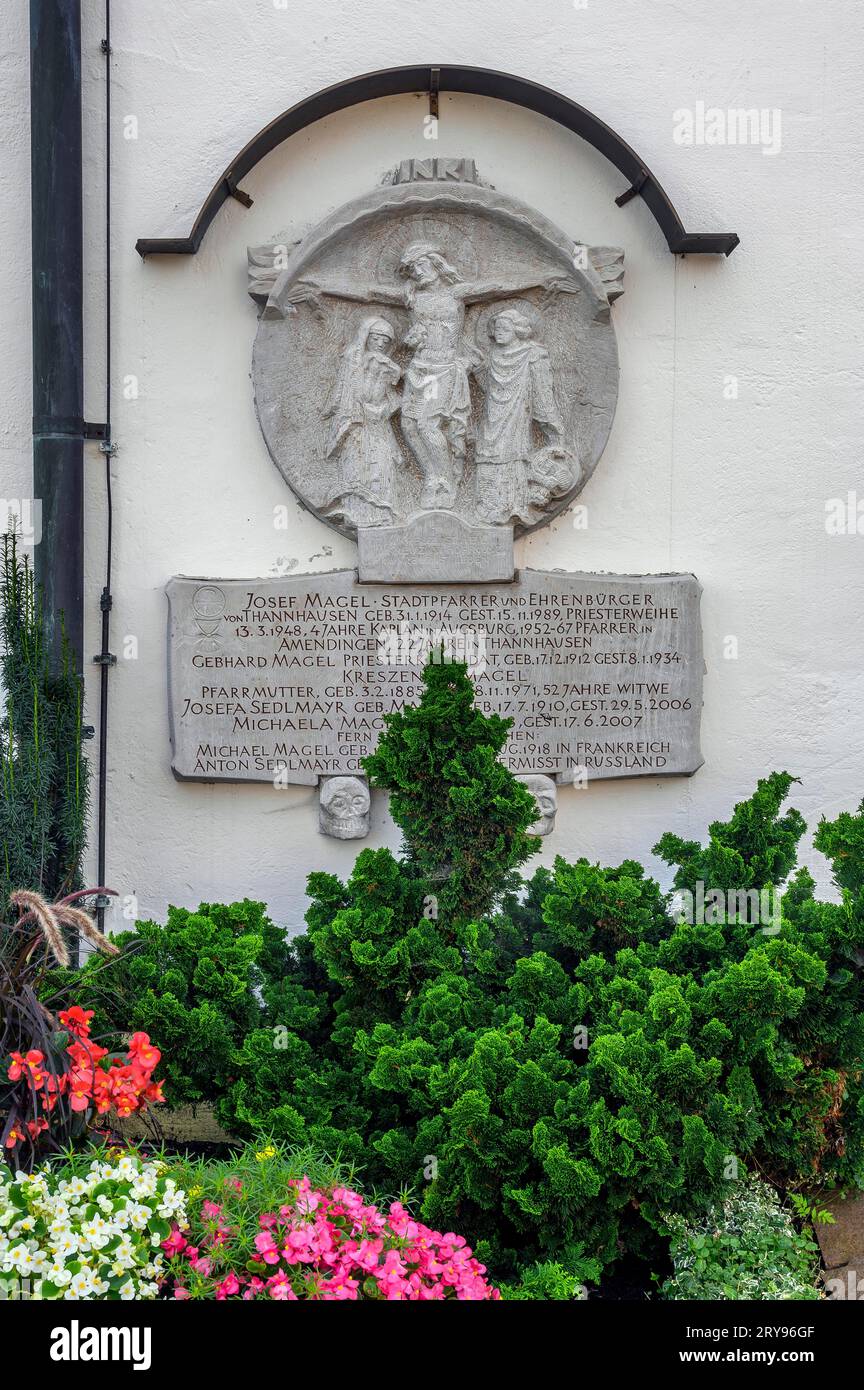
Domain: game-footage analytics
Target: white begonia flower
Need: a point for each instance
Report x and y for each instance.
(66, 1244)
(73, 1232)
(171, 1202)
(127, 1291)
(80, 1285)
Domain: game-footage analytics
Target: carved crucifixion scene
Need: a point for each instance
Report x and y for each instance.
(435, 346)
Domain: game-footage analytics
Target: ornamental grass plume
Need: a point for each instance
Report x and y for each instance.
(49, 916)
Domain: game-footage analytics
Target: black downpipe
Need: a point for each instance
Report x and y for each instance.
(58, 333)
(105, 658)
(59, 428)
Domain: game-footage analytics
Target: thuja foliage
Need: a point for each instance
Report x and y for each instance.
(193, 984)
(562, 1069)
(43, 774)
(463, 816)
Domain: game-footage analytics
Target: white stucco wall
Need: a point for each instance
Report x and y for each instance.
(732, 489)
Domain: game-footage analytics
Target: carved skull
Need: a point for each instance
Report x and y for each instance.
(343, 807)
(545, 793)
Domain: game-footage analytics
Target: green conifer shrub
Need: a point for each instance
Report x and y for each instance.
(462, 813)
(43, 773)
(192, 985)
(564, 1069)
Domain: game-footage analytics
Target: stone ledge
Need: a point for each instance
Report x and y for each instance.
(191, 1124)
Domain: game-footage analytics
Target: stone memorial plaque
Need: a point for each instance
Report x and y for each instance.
(289, 679)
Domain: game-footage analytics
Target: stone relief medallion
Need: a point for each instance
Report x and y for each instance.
(435, 346)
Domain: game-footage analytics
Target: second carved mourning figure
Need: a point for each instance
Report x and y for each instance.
(516, 379)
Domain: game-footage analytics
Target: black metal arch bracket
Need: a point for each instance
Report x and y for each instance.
(434, 80)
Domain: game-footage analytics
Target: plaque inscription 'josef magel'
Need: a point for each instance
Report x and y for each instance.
(292, 677)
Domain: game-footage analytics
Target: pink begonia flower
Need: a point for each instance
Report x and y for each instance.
(367, 1252)
(339, 1289)
(335, 1241)
(279, 1287)
(297, 1248)
(175, 1242)
(307, 1203)
(266, 1247)
(392, 1263)
(181, 1294)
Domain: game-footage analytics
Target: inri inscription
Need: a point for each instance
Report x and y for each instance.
(288, 680)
